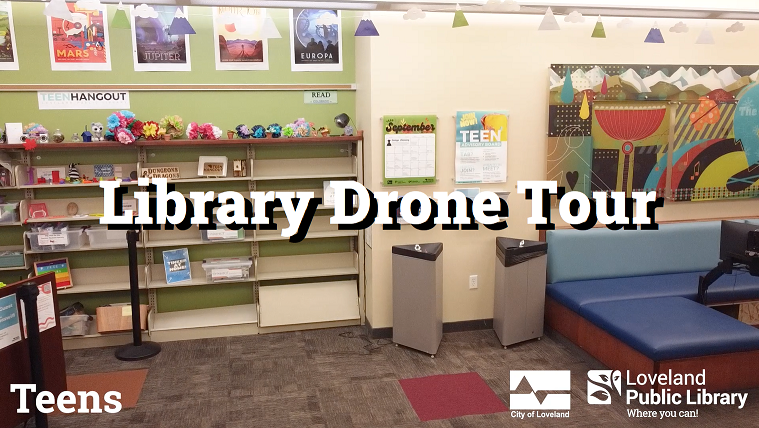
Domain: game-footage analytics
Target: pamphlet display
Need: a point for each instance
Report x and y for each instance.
(45, 308)
(10, 332)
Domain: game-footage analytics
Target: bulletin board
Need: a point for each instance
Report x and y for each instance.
(686, 132)
(409, 154)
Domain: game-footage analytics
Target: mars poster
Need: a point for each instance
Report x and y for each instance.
(315, 40)
(8, 57)
(237, 38)
(81, 44)
(154, 49)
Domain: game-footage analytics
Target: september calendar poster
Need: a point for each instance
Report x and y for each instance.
(481, 138)
(81, 44)
(8, 57)
(409, 154)
(315, 40)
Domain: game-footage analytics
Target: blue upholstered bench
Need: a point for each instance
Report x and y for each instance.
(670, 328)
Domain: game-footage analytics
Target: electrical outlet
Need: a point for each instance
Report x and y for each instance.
(472, 282)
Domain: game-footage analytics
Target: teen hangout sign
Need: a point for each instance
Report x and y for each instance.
(83, 100)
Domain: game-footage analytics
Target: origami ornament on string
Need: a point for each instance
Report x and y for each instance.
(599, 32)
(269, 29)
(366, 27)
(654, 35)
(549, 22)
(58, 9)
(180, 26)
(459, 20)
(120, 19)
(705, 38)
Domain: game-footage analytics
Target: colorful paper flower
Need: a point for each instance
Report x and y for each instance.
(136, 129)
(206, 131)
(150, 130)
(216, 132)
(275, 130)
(288, 130)
(173, 125)
(258, 131)
(124, 136)
(242, 131)
(192, 131)
(113, 122)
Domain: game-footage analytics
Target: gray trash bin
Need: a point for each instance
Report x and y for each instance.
(520, 287)
(418, 296)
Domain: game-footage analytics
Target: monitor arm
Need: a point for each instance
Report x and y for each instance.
(726, 267)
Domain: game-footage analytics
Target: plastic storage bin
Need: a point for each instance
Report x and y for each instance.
(222, 233)
(56, 241)
(227, 269)
(101, 237)
(10, 259)
(75, 325)
(9, 212)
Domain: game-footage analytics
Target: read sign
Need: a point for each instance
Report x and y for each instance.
(320, 97)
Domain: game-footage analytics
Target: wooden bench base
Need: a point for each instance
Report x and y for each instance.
(724, 372)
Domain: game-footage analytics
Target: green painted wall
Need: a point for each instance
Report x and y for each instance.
(225, 109)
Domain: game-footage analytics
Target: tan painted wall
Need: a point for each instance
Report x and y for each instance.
(498, 62)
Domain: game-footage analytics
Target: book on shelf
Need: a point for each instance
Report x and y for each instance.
(177, 265)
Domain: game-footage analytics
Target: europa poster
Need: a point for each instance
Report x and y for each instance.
(315, 40)
(481, 138)
(237, 38)
(81, 44)
(153, 47)
(8, 57)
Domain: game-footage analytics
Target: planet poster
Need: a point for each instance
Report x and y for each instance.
(8, 57)
(481, 138)
(237, 38)
(315, 40)
(154, 49)
(81, 44)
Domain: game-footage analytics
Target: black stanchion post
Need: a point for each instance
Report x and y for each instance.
(138, 350)
(28, 294)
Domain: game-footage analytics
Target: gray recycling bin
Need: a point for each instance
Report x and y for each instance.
(520, 287)
(418, 296)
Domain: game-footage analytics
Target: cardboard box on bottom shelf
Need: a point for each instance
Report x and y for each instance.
(115, 318)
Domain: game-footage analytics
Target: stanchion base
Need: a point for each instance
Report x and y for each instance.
(135, 353)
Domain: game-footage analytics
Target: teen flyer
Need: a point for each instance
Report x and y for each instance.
(481, 138)
(81, 44)
(153, 47)
(315, 40)
(8, 57)
(237, 38)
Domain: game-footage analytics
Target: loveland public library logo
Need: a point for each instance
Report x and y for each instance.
(540, 393)
(602, 384)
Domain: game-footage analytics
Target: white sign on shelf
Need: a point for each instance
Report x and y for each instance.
(320, 97)
(53, 238)
(223, 273)
(222, 234)
(83, 100)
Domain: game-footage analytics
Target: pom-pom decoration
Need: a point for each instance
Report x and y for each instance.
(258, 131)
(288, 131)
(123, 127)
(206, 131)
(242, 131)
(149, 130)
(216, 132)
(192, 131)
(275, 130)
(124, 136)
(172, 125)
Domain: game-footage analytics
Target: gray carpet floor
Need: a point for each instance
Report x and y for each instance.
(335, 378)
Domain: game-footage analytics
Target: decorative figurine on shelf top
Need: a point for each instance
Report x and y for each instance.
(288, 131)
(86, 136)
(73, 173)
(258, 131)
(97, 131)
(192, 131)
(230, 134)
(324, 131)
(173, 125)
(75, 138)
(274, 130)
(150, 130)
(57, 136)
(36, 132)
(242, 131)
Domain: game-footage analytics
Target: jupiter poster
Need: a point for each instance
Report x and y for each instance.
(154, 49)
(8, 57)
(237, 38)
(81, 44)
(315, 40)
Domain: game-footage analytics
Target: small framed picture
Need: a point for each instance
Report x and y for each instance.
(58, 266)
(212, 166)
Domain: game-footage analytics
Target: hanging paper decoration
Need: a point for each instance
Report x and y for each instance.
(459, 20)
(568, 91)
(705, 38)
(58, 9)
(604, 86)
(549, 22)
(269, 29)
(599, 32)
(680, 27)
(654, 35)
(120, 19)
(180, 25)
(585, 108)
(737, 27)
(366, 27)
(413, 14)
(574, 18)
